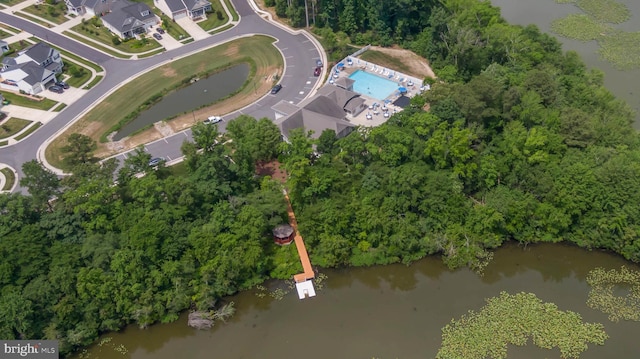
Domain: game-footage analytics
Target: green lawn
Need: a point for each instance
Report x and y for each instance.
(232, 10)
(78, 59)
(94, 82)
(4, 143)
(10, 2)
(104, 48)
(116, 109)
(7, 27)
(53, 13)
(212, 20)
(179, 169)
(173, 29)
(29, 131)
(12, 126)
(95, 30)
(15, 47)
(32, 19)
(19, 100)
(10, 177)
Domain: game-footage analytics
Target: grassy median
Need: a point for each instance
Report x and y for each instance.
(265, 60)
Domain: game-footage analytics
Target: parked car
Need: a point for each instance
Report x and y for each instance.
(155, 161)
(275, 89)
(160, 30)
(212, 119)
(317, 71)
(62, 84)
(157, 36)
(319, 63)
(56, 89)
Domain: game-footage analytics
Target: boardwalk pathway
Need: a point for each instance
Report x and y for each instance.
(302, 250)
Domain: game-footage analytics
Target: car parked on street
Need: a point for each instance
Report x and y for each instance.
(319, 63)
(317, 71)
(157, 36)
(56, 89)
(212, 119)
(62, 84)
(276, 89)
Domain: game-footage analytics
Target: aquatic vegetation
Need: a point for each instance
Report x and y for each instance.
(603, 298)
(605, 10)
(513, 319)
(622, 49)
(579, 27)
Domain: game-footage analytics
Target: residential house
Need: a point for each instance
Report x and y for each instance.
(32, 69)
(177, 9)
(4, 46)
(327, 109)
(128, 19)
(90, 7)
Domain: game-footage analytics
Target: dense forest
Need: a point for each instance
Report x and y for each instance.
(515, 141)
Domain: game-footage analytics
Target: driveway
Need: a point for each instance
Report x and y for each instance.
(192, 28)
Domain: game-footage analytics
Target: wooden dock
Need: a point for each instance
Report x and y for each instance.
(302, 250)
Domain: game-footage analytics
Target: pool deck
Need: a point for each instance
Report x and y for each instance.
(375, 117)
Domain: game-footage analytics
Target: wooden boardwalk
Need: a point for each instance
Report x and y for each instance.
(302, 250)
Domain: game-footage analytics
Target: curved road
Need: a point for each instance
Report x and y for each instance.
(298, 50)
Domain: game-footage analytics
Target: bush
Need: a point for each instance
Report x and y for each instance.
(116, 40)
(269, 3)
(219, 15)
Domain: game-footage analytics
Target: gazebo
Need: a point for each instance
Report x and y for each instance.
(283, 234)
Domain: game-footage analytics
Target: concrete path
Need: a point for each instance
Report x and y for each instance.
(192, 28)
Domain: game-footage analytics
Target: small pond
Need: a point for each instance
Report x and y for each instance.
(200, 93)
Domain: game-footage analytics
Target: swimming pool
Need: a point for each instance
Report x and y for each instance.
(372, 85)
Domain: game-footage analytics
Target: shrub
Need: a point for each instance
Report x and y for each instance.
(116, 40)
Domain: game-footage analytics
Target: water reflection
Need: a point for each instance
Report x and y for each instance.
(393, 311)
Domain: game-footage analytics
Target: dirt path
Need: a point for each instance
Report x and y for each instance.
(418, 65)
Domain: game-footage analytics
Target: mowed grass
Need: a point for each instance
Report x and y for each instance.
(12, 126)
(212, 20)
(385, 60)
(23, 101)
(129, 98)
(53, 13)
(10, 179)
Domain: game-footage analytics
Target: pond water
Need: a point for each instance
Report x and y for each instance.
(201, 93)
(623, 84)
(387, 312)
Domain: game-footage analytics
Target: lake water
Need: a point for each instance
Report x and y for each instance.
(387, 312)
(198, 94)
(623, 84)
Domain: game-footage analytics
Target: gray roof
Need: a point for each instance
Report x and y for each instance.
(339, 95)
(39, 52)
(285, 108)
(283, 231)
(127, 16)
(175, 5)
(317, 114)
(344, 82)
(195, 4)
(75, 3)
(9, 61)
(34, 72)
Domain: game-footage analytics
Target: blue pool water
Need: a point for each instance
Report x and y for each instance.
(373, 86)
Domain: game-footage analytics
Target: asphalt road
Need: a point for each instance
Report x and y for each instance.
(300, 55)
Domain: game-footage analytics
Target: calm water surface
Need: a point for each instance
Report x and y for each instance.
(194, 96)
(388, 312)
(624, 84)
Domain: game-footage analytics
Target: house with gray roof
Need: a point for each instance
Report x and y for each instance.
(177, 9)
(28, 77)
(32, 69)
(329, 108)
(128, 20)
(91, 7)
